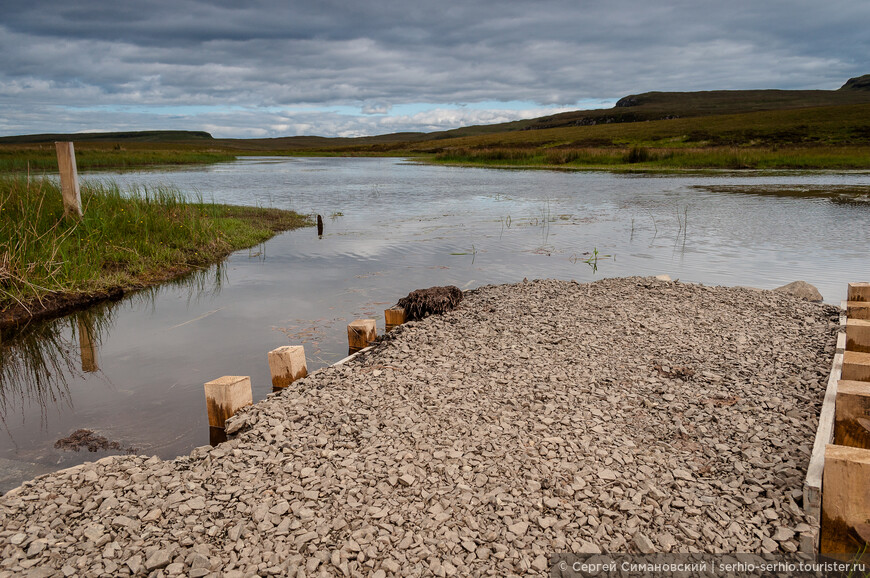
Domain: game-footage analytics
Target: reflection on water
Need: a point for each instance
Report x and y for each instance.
(39, 360)
(133, 371)
(34, 369)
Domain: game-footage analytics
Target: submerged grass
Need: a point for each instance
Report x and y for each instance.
(125, 239)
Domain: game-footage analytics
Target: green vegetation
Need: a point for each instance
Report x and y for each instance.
(125, 240)
(43, 158)
(736, 129)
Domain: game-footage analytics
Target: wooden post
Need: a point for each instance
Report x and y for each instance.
(858, 309)
(858, 335)
(852, 425)
(858, 292)
(393, 317)
(319, 226)
(360, 334)
(287, 364)
(69, 179)
(87, 346)
(846, 503)
(856, 366)
(225, 396)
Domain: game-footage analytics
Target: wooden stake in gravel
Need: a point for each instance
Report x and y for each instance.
(69, 179)
(225, 396)
(858, 292)
(360, 334)
(846, 503)
(393, 317)
(287, 364)
(856, 366)
(858, 309)
(858, 335)
(852, 425)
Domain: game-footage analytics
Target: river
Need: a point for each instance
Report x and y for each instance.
(133, 371)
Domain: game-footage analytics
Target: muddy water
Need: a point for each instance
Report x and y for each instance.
(133, 371)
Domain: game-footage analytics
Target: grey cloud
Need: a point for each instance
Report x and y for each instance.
(382, 53)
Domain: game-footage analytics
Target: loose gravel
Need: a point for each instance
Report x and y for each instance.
(625, 415)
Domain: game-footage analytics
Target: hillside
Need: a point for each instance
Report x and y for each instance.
(821, 129)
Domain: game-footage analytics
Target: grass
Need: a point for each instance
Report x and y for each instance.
(38, 159)
(125, 239)
(640, 158)
(829, 137)
(731, 130)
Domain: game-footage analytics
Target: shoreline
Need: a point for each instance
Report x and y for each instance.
(624, 415)
(59, 303)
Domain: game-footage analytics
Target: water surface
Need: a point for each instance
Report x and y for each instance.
(134, 370)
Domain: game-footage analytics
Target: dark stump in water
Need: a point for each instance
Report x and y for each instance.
(424, 302)
(86, 438)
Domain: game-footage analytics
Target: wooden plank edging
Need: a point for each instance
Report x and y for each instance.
(824, 436)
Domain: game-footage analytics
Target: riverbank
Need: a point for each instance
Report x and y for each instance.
(659, 159)
(127, 240)
(625, 415)
(42, 158)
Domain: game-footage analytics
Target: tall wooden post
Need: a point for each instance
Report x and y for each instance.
(225, 396)
(69, 179)
(360, 334)
(287, 364)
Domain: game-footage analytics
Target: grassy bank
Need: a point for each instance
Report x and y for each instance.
(39, 159)
(125, 240)
(660, 158)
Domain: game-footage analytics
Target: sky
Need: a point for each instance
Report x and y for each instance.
(269, 68)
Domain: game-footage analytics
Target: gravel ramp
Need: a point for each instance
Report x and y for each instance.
(625, 415)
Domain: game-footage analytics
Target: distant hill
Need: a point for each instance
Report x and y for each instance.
(155, 136)
(649, 106)
(858, 83)
(670, 105)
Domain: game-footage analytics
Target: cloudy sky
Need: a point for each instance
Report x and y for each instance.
(267, 68)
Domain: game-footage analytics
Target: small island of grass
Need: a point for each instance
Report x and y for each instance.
(50, 264)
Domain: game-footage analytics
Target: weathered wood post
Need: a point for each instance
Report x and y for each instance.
(858, 335)
(69, 179)
(287, 364)
(858, 309)
(319, 226)
(225, 396)
(845, 529)
(852, 425)
(87, 345)
(856, 366)
(360, 334)
(393, 317)
(858, 292)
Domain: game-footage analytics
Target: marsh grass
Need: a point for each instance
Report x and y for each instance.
(41, 159)
(125, 239)
(641, 157)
